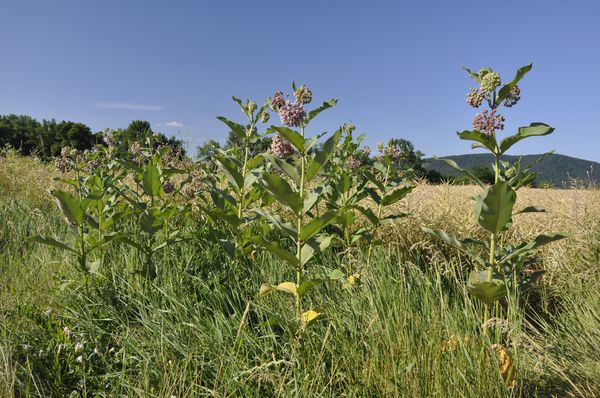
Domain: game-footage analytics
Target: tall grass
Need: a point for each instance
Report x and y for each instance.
(408, 328)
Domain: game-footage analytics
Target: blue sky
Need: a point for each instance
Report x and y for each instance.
(395, 66)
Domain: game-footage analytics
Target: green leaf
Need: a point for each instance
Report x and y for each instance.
(367, 212)
(307, 285)
(314, 246)
(532, 245)
(292, 136)
(533, 130)
(326, 105)
(474, 76)
(255, 162)
(373, 179)
(289, 169)
(454, 242)
(52, 242)
(462, 171)
(316, 224)
(151, 220)
(70, 206)
(531, 209)
(310, 200)
(230, 169)
(237, 129)
(151, 180)
(488, 292)
(282, 191)
(287, 228)
(505, 90)
(396, 195)
(473, 135)
(493, 206)
(323, 156)
(277, 250)
(336, 275)
(392, 217)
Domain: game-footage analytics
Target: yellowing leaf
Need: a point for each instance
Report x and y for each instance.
(351, 280)
(308, 317)
(507, 369)
(288, 287)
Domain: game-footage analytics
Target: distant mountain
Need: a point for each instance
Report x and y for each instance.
(559, 170)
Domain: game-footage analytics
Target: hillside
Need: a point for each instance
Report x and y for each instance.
(559, 170)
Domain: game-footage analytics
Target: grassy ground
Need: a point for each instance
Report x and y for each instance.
(409, 329)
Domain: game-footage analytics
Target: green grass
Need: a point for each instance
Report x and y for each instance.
(201, 330)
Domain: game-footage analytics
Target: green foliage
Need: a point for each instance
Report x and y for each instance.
(494, 204)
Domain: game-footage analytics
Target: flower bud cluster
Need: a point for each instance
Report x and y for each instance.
(475, 98)
(281, 148)
(489, 82)
(352, 163)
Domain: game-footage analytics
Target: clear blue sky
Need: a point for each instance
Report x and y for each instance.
(395, 66)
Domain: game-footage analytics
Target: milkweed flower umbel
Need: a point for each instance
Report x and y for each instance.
(475, 98)
(513, 97)
(488, 123)
(281, 148)
(292, 114)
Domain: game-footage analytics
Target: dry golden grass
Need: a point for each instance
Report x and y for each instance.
(575, 212)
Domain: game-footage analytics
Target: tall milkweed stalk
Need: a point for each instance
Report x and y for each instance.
(296, 163)
(504, 265)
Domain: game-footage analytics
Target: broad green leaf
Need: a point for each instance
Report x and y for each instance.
(255, 162)
(374, 195)
(532, 245)
(316, 225)
(347, 218)
(151, 180)
(237, 129)
(533, 130)
(335, 275)
(151, 220)
(505, 90)
(307, 285)
(230, 169)
(310, 200)
(462, 171)
(292, 136)
(369, 214)
(314, 246)
(484, 139)
(344, 183)
(396, 195)
(493, 206)
(249, 180)
(488, 292)
(282, 191)
(322, 156)
(277, 250)
(454, 242)
(70, 206)
(289, 169)
(285, 227)
(52, 242)
(326, 105)
(373, 179)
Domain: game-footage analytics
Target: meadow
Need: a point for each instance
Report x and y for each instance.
(307, 270)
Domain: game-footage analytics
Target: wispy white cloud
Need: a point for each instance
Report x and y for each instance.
(174, 124)
(128, 106)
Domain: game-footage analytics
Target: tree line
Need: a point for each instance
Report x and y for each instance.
(45, 139)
